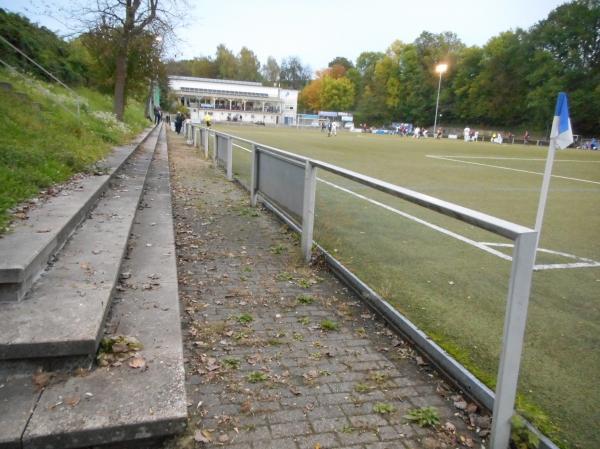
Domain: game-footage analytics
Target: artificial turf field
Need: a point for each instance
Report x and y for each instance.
(450, 278)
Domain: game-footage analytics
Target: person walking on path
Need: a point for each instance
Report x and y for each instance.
(178, 122)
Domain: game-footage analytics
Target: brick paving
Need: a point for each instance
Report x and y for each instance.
(279, 354)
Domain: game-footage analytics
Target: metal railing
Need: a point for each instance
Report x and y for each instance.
(287, 183)
(50, 75)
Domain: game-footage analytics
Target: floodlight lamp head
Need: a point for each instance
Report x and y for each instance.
(441, 68)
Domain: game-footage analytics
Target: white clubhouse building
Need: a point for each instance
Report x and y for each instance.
(240, 101)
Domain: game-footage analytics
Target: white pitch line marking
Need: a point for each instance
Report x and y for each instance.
(584, 262)
(485, 246)
(508, 158)
(509, 168)
(423, 222)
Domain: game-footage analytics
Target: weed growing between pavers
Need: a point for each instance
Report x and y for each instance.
(362, 388)
(231, 363)
(329, 325)
(424, 416)
(305, 299)
(305, 321)
(298, 336)
(284, 276)
(383, 408)
(245, 318)
(278, 249)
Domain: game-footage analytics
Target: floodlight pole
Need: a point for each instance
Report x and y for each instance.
(441, 69)
(437, 104)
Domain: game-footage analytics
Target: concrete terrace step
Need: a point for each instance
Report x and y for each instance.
(122, 404)
(26, 250)
(64, 312)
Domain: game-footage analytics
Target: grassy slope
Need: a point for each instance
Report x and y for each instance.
(455, 292)
(43, 142)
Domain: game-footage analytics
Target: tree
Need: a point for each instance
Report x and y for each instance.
(63, 60)
(125, 22)
(336, 94)
(226, 62)
(293, 74)
(310, 96)
(248, 66)
(271, 70)
(568, 43)
(143, 65)
(344, 62)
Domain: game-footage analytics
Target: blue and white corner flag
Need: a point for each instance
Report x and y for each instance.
(561, 137)
(561, 133)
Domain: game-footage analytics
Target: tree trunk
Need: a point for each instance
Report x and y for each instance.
(120, 84)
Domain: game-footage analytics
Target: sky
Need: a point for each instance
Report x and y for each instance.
(317, 31)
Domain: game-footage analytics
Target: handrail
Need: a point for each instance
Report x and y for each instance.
(18, 50)
(480, 219)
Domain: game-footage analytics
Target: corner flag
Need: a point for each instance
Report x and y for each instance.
(561, 137)
(561, 133)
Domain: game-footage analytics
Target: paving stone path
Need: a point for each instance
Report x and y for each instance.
(281, 355)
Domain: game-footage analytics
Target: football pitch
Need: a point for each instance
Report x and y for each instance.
(451, 278)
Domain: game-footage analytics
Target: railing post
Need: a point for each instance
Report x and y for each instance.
(512, 343)
(308, 209)
(254, 176)
(196, 137)
(229, 159)
(216, 142)
(205, 143)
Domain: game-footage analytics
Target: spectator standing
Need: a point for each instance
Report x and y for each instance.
(178, 122)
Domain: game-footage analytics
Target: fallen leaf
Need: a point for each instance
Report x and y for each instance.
(449, 427)
(137, 362)
(295, 391)
(73, 400)
(202, 436)
(246, 406)
(461, 405)
(41, 379)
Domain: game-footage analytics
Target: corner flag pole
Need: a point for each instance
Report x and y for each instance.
(544, 192)
(561, 136)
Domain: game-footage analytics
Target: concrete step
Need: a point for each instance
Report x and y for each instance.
(121, 403)
(64, 312)
(27, 249)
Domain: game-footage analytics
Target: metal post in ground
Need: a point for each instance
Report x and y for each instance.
(512, 343)
(308, 209)
(254, 176)
(215, 143)
(229, 159)
(205, 143)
